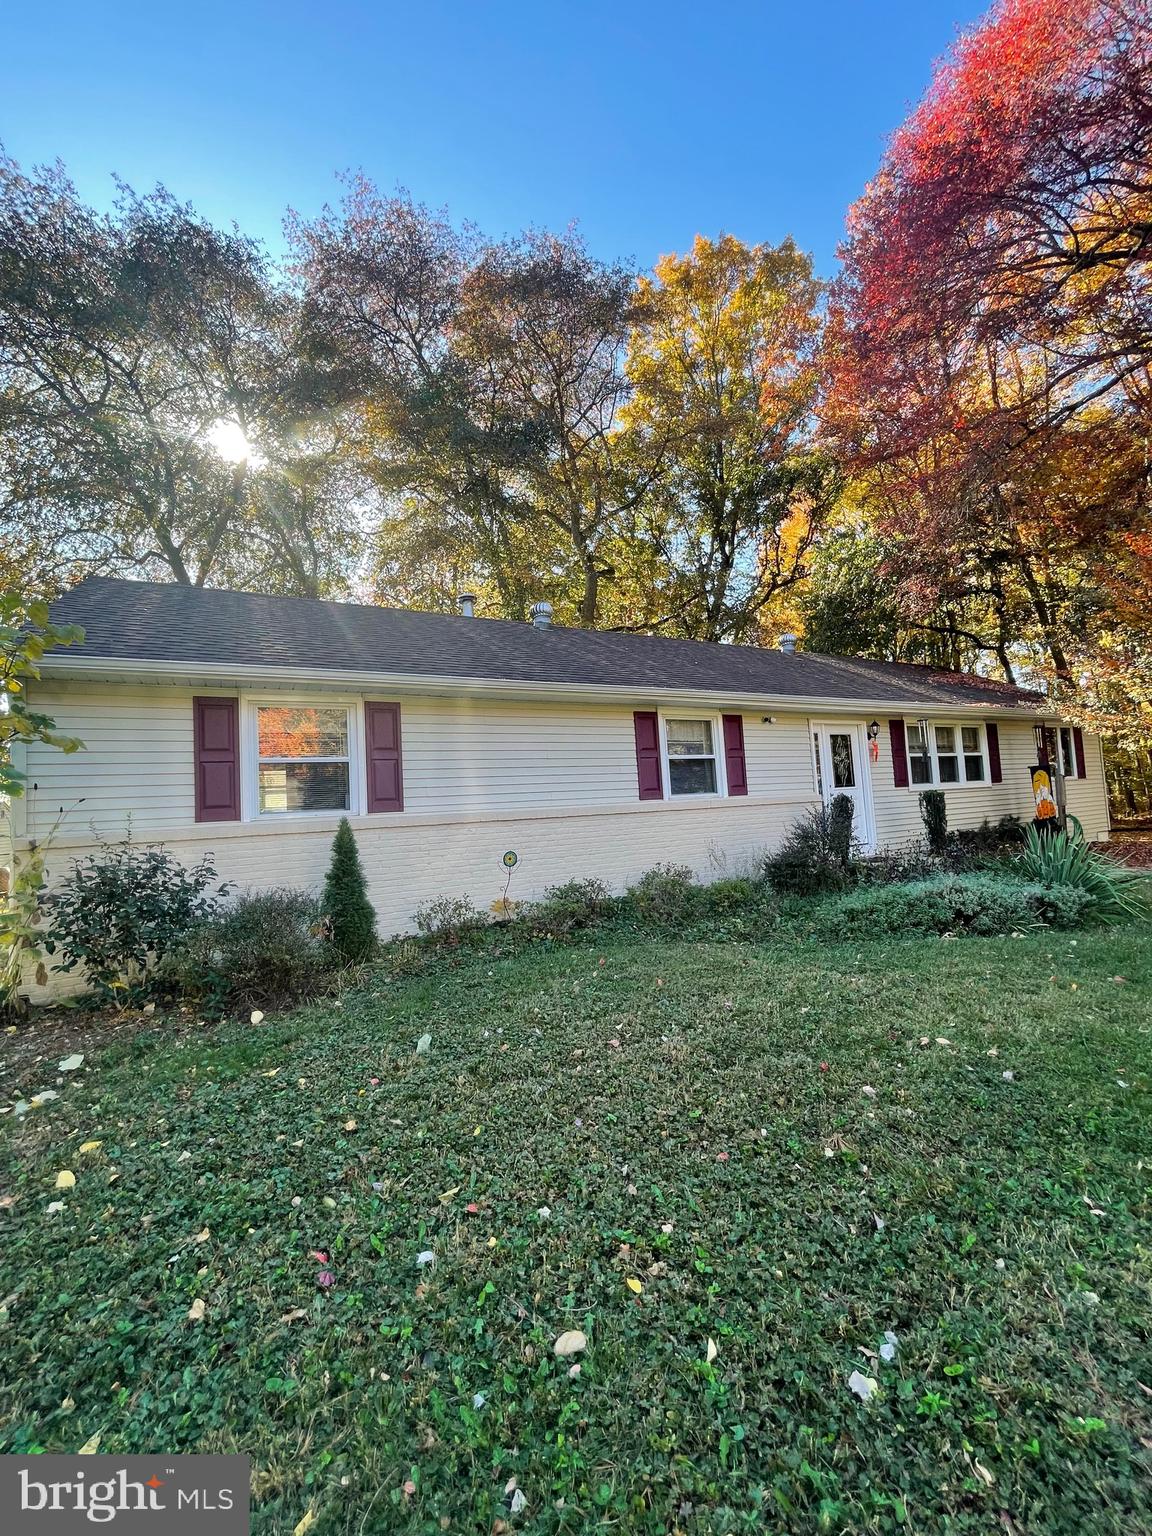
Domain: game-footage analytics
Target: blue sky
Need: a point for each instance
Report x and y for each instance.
(642, 123)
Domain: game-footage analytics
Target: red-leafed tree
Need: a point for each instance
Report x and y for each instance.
(990, 353)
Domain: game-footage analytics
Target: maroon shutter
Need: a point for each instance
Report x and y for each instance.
(734, 765)
(1078, 749)
(899, 739)
(995, 771)
(647, 728)
(216, 743)
(385, 766)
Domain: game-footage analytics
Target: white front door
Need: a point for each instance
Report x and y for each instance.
(841, 762)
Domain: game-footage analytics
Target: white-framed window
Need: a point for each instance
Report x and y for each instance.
(693, 759)
(946, 753)
(1067, 748)
(304, 757)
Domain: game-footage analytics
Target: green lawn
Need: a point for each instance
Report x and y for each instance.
(669, 1106)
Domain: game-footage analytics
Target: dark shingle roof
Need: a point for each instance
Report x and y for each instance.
(166, 622)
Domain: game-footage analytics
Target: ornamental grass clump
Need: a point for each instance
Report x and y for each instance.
(1067, 861)
(351, 916)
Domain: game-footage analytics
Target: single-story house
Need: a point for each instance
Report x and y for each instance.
(247, 725)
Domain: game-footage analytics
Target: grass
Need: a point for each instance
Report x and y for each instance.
(669, 1106)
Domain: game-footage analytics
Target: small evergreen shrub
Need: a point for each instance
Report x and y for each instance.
(265, 949)
(978, 904)
(449, 919)
(1066, 861)
(816, 854)
(569, 908)
(666, 895)
(934, 815)
(896, 866)
(123, 912)
(351, 916)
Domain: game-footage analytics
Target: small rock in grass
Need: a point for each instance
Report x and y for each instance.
(423, 1045)
(571, 1342)
(425, 1258)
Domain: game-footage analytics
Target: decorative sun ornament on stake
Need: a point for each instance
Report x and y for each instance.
(503, 907)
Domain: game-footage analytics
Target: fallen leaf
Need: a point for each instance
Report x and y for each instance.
(329, 1202)
(890, 1345)
(89, 1146)
(91, 1446)
(256, 1017)
(70, 1063)
(634, 1285)
(65, 1179)
(427, 1257)
(863, 1386)
(308, 1519)
(711, 1351)
(448, 1193)
(868, 1091)
(571, 1342)
(202, 1236)
(294, 1316)
(349, 1125)
(519, 1501)
(54, 1206)
(196, 1311)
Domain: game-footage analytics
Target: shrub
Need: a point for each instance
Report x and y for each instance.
(123, 911)
(739, 908)
(566, 909)
(989, 838)
(816, 853)
(980, 904)
(1065, 861)
(934, 815)
(896, 866)
(665, 895)
(351, 916)
(449, 919)
(264, 949)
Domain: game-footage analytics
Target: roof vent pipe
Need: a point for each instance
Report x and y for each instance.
(467, 602)
(788, 644)
(541, 614)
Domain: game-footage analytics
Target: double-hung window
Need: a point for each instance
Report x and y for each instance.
(304, 761)
(690, 755)
(1067, 749)
(946, 754)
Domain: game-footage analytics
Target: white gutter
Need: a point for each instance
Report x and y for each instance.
(223, 674)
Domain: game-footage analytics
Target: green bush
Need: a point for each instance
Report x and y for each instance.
(739, 908)
(265, 949)
(666, 895)
(934, 815)
(989, 838)
(351, 916)
(449, 919)
(816, 855)
(981, 904)
(1066, 861)
(123, 912)
(569, 908)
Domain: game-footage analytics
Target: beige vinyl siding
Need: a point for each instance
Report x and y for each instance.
(898, 822)
(460, 756)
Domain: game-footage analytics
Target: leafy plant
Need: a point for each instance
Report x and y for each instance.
(934, 815)
(739, 908)
(25, 634)
(990, 837)
(566, 909)
(264, 949)
(1066, 860)
(121, 912)
(979, 904)
(665, 894)
(816, 854)
(22, 913)
(449, 919)
(351, 916)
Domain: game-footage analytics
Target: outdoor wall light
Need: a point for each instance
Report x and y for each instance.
(767, 719)
(873, 729)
